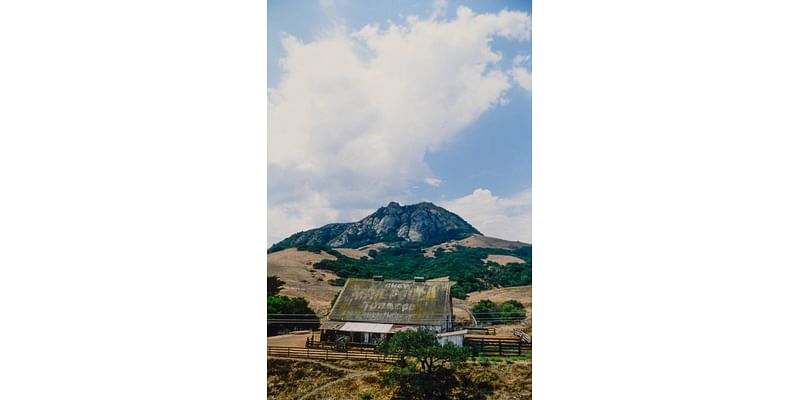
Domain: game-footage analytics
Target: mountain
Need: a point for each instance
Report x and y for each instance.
(424, 223)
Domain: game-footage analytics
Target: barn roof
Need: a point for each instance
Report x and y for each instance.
(393, 302)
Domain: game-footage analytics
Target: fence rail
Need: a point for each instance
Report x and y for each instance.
(487, 347)
(327, 354)
(498, 346)
(317, 344)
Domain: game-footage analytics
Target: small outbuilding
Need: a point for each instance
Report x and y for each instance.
(456, 338)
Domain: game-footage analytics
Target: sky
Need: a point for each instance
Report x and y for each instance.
(398, 100)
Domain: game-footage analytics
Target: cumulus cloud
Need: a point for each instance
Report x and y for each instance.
(306, 211)
(356, 111)
(506, 218)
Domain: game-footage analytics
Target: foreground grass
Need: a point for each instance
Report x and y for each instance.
(292, 379)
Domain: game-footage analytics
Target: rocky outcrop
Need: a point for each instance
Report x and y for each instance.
(425, 223)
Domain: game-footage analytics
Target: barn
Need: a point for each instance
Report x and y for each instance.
(368, 310)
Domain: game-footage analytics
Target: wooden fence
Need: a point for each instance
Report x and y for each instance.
(497, 346)
(316, 344)
(489, 347)
(328, 354)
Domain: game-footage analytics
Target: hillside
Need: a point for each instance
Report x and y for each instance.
(475, 241)
(398, 242)
(424, 223)
(295, 267)
(314, 272)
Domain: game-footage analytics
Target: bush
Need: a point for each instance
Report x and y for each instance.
(337, 282)
(310, 247)
(285, 314)
(274, 285)
(508, 311)
(483, 360)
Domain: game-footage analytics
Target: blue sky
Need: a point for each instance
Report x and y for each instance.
(430, 102)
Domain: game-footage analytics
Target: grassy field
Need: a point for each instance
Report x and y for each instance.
(499, 378)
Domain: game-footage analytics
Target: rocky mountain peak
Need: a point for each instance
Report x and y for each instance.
(425, 222)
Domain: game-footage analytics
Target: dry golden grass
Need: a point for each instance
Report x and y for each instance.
(296, 269)
(503, 259)
(292, 379)
(288, 340)
(461, 310)
(475, 241)
(499, 381)
(361, 251)
(521, 294)
(354, 388)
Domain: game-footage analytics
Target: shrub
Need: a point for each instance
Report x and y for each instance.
(285, 314)
(337, 281)
(508, 311)
(274, 285)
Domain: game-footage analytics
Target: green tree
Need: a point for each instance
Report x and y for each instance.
(274, 285)
(434, 378)
(285, 314)
(508, 311)
(485, 311)
(421, 344)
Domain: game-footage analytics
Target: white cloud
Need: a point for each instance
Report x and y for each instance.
(520, 74)
(355, 112)
(522, 77)
(505, 218)
(433, 181)
(299, 215)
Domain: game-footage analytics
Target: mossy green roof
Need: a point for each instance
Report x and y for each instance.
(393, 302)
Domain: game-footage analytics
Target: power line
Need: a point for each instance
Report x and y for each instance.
(481, 313)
